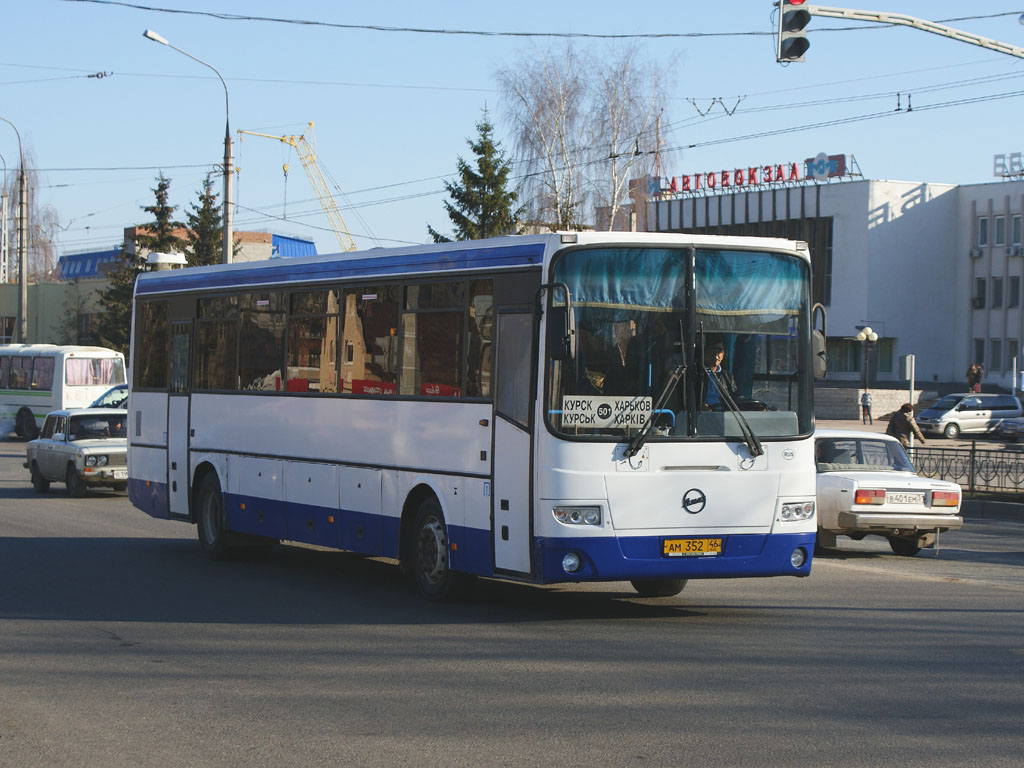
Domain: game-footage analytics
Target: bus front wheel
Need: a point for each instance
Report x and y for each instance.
(659, 587)
(210, 519)
(435, 580)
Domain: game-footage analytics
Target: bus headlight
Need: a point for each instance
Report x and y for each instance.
(571, 563)
(95, 461)
(798, 557)
(797, 510)
(577, 515)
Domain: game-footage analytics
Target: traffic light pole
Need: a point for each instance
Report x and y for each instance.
(882, 17)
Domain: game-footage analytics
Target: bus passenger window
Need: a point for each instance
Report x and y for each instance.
(370, 326)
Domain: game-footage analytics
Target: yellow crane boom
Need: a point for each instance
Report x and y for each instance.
(306, 150)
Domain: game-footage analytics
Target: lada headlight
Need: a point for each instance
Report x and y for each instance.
(95, 461)
(577, 515)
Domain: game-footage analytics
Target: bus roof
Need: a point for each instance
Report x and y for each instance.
(510, 252)
(70, 350)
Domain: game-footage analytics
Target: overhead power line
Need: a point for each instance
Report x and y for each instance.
(488, 33)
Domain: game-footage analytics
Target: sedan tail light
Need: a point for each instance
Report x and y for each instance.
(945, 498)
(869, 496)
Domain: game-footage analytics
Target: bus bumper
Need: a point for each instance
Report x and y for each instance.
(639, 557)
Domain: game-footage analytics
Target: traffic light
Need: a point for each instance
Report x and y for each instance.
(793, 20)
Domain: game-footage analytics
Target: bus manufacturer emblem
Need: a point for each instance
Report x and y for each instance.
(694, 501)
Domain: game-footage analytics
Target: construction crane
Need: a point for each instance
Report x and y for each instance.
(306, 150)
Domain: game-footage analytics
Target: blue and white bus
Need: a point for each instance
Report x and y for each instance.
(550, 408)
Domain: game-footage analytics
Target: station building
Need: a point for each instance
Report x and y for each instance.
(934, 269)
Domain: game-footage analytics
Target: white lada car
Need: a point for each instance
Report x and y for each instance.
(82, 449)
(867, 486)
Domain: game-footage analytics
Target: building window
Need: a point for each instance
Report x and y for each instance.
(7, 329)
(982, 238)
(1013, 294)
(978, 302)
(996, 361)
(979, 351)
(844, 355)
(884, 355)
(1011, 351)
(1000, 230)
(997, 292)
(1015, 228)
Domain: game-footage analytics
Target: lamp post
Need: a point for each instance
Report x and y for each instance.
(867, 337)
(22, 259)
(228, 238)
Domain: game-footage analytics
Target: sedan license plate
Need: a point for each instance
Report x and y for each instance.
(691, 547)
(903, 497)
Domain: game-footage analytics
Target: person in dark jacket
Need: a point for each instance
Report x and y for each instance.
(902, 425)
(714, 354)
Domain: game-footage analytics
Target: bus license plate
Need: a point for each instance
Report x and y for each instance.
(902, 497)
(691, 547)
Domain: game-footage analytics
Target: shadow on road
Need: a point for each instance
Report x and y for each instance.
(170, 580)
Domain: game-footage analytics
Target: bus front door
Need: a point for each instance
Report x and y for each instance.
(511, 515)
(178, 419)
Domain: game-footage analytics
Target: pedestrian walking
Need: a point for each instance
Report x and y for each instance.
(865, 408)
(902, 425)
(974, 378)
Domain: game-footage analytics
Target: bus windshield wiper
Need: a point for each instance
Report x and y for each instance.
(666, 392)
(748, 434)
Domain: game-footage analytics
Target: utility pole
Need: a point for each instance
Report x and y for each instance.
(22, 258)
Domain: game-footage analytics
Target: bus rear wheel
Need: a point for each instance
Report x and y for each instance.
(659, 587)
(211, 521)
(435, 580)
(25, 425)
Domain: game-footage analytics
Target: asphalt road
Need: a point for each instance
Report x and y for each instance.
(120, 645)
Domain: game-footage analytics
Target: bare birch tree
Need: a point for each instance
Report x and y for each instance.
(544, 99)
(583, 126)
(41, 225)
(628, 96)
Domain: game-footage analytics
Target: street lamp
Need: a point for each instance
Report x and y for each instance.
(867, 337)
(22, 259)
(149, 34)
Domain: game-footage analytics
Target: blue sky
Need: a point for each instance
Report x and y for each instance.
(393, 110)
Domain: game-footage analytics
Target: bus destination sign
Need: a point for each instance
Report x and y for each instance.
(602, 412)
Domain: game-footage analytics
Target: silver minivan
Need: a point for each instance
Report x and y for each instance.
(968, 412)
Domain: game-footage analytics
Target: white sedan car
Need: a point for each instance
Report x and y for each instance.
(867, 486)
(81, 448)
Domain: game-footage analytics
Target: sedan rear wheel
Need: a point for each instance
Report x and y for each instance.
(658, 587)
(904, 547)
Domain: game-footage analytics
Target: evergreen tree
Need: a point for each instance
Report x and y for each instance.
(206, 229)
(115, 322)
(481, 205)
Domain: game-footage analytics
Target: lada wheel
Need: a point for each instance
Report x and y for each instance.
(904, 547)
(210, 519)
(74, 482)
(659, 587)
(434, 579)
(39, 483)
(952, 431)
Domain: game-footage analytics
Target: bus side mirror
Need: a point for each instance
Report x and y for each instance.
(820, 357)
(561, 333)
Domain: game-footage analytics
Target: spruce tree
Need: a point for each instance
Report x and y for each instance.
(115, 322)
(481, 205)
(206, 230)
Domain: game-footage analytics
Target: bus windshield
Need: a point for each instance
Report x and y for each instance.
(748, 325)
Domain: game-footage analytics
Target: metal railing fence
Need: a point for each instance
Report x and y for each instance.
(977, 470)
